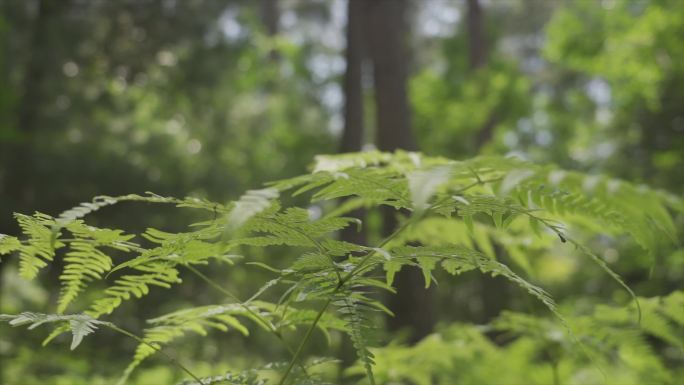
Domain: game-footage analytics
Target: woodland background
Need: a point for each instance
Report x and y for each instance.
(210, 98)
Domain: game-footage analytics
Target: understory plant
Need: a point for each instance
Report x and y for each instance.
(451, 216)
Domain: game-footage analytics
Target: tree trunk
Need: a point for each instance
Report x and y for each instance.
(478, 57)
(352, 136)
(494, 291)
(477, 40)
(413, 305)
(18, 178)
(270, 17)
(18, 186)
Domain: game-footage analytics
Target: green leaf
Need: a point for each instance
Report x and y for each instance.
(498, 219)
(424, 183)
(468, 220)
(250, 204)
(80, 325)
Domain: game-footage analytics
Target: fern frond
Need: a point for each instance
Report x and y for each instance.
(80, 325)
(198, 320)
(8, 244)
(242, 378)
(99, 202)
(360, 330)
(85, 261)
(86, 208)
(250, 204)
(423, 184)
(41, 243)
(637, 210)
(291, 227)
(673, 307)
(154, 273)
(188, 202)
(251, 376)
(379, 186)
(196, 247)
(341, 162)
(458, 259)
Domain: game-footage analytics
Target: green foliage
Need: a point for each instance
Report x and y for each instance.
(229, 378)
(42, 232)
(331, 285)
(85, 261)
(360, 330)
(8, 244)
(535, 350)
(456, 260)
(80, 325)
(175, 325)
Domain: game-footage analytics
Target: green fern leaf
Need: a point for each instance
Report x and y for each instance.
(457, 259)
(162, 274)
(80, 325)
(85, 261)
(42, 243)
(250, 204)
(198, 320)
(360, 330)
(8, 244)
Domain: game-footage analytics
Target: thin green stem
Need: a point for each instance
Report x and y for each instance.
(142, 341)
(556, 375)
(358, 268)
(317, 244)
(298, 352)
(265, 323)
(232, 296)
(340, 284)
(130, 245)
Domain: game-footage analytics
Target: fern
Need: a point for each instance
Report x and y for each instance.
(360, 330)
(161, 274)
(80, 325)
(175, 325)
(86, 208)
(252, 376)
(85, 261)
(291, 227)
(244, 378)
(527, 347)
(250, 204)
(41, 243)
(8, 244)
(158, 266)
(456, 260)
(460, 212)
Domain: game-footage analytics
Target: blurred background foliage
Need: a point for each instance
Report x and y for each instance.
(210, 98)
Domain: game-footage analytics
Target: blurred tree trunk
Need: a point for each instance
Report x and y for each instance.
(478, 57)
(18, 176)
(477, 39)
(387, 29)
(270, 17)
(493, 290)
(18, 159)
(352, 135)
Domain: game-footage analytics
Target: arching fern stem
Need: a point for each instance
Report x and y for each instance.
(340, 284)
(268, 325)
(142, 341)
